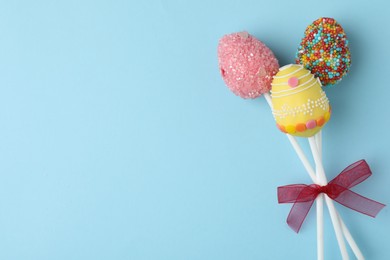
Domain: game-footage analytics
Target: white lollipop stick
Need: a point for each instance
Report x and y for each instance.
(332, 210)
(335, 222)
(318, 138)
(320, 226)
(320, 207)
(296, 147)
(347, 234)
(350, 240)
(319, 200)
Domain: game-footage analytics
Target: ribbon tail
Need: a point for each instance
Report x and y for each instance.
(290, 193)
(298, 214)
(359, 203)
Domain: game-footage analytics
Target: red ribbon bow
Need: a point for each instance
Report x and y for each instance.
(303, 196)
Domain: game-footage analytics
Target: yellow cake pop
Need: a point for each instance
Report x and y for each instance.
(300, 106)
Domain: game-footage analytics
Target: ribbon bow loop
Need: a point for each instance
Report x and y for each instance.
(302, 196)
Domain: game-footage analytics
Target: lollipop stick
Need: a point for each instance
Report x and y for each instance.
(296, 146)
(268, 99)
(319, 199)
(320, 208)
(302, 157)
(320, 227)
(347, 234)
(319, 203)
(332, 210)
(318, 138)
(350, 240)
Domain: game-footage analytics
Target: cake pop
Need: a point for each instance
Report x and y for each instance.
(324, 50)
(246, 64)
(300, 106)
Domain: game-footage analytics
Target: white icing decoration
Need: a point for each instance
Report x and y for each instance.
(300, 67)
(286, 67)
(293, 93)
(305, 108)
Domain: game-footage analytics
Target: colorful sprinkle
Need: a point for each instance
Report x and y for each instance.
(327, 116)
(311, 124)
(293, 82)
(281, 128)
(320, 121)
(290, 129)
(301, 127)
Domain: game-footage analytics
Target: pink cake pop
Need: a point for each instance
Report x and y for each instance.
(246, 64)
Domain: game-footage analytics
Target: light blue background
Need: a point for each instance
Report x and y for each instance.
(119, 139)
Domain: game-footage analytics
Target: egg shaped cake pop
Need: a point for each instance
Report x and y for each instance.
(246, 64)
(300, 106)
(324, 50)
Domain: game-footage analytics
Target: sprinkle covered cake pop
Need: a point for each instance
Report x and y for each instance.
(324, 50)
(246, 64)
(300, 106)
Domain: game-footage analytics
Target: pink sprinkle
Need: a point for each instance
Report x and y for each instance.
(311, 124)
(293, 82)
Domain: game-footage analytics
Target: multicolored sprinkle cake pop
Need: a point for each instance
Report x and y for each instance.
(300, 106)
(246, 64)
(324, 51)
